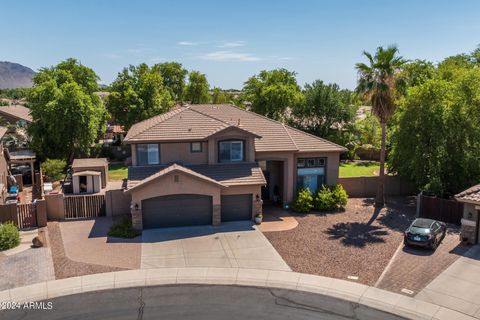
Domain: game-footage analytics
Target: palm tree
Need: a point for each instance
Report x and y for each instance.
(377, 83)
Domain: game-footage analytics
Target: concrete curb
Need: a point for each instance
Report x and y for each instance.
(341, 297)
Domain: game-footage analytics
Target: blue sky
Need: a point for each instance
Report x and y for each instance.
(232, 40)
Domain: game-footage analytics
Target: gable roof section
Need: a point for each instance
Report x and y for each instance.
(171, 169)
(89, 162)
(17, 111)
(470, 195)
(226, 174)
(276, 136)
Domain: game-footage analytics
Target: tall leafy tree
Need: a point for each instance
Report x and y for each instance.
(197, 88)
(67, 114)
(138, 93)
(273, 93)
(174, 76)
(325, 110)
(219, 96)
(436, 132)
(378, 82)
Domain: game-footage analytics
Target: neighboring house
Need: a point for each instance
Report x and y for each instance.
(13, 114)
(471, 214)
(204, 164)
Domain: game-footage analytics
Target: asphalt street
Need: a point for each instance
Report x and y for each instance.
(185, 302)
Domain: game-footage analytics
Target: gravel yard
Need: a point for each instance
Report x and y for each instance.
(358, 242)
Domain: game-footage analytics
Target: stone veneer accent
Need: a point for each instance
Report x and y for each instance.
(137, 220)
(257, 207)
(217, 214)
(468, 230)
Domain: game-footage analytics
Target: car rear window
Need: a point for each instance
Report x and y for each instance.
(419, 230)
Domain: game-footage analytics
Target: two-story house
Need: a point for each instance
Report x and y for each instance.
(204, 164)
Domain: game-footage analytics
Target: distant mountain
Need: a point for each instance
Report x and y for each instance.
(14, 75)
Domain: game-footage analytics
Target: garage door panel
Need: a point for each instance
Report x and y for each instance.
(236, 207)
(177, 210)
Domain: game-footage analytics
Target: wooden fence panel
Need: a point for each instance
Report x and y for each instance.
(445, 210)
(85, 206)
(26, 216)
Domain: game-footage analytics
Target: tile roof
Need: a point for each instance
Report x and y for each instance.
(202, 120)
(17, 111)
(173, 168)
(89, 162)
(471, 194)
(226, 174)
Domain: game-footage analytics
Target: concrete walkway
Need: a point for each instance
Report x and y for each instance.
(458, 287)
(231, 245)
(333, 296)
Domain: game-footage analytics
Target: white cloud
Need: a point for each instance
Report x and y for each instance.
(229, 56)
(111, 56)
(232, 44)
(187, 43)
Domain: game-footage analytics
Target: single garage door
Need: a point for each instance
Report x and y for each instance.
(177, 210)
(236, 207)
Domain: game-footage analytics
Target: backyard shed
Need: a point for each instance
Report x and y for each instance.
(91, 165)
(86, 182)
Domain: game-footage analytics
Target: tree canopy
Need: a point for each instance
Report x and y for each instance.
(219, 96)
(325, 110)
(173, 78)
(273, 93)
(67, 114)
(197, 88)
(436, 133)
(138, 93)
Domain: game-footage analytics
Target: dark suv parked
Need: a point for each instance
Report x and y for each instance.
(425, 233)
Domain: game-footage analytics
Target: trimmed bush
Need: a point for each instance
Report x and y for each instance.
(53, 169)
(330, 198)
(124, 229)
(303, 202)
(9, 236)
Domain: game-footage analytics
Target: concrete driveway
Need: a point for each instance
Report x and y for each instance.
(458, 287)
(233, 244)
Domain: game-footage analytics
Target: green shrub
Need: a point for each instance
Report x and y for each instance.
(9, 236)
(124, 229)
(303, 201)
(330, 198)
(340, 196)
(53, 169)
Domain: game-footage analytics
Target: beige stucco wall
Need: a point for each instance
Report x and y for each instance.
(181, 152)
(167, 186)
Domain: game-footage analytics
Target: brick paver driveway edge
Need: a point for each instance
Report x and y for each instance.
(366, 301)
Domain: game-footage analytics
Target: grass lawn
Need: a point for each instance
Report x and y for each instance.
(357, 169)
(117, 172)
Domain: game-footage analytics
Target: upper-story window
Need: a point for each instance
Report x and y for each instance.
(148, 154)
(230, 151)
(196, 147)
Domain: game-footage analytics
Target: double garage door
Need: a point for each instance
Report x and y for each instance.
(192, 209)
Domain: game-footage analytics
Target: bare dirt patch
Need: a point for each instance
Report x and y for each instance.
(359, 241)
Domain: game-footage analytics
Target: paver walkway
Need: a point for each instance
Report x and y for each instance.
(233, 244)
(414, 268)
(458, 287)
(27, 267)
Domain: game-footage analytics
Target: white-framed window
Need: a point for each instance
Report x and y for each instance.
(148, 154)
(230, 151)
(196, 147)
